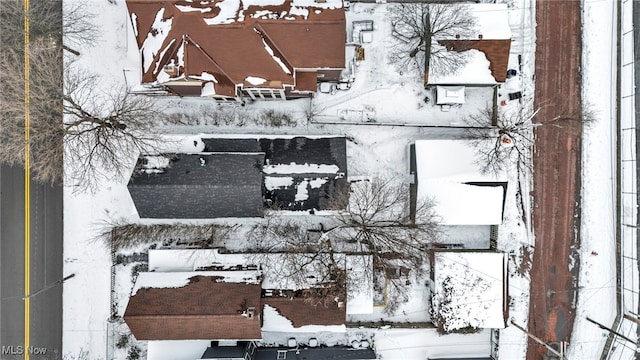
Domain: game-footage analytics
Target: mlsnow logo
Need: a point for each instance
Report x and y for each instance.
(21, 350)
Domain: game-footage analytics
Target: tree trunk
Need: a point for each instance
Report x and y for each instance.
(427, 47)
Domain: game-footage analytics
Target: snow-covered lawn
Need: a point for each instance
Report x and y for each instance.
(372, 150)
(380, 93)
(597, 284)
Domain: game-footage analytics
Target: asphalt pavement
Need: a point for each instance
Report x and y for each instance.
(46, 267)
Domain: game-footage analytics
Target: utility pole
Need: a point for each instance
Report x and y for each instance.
(612, 331)
(539, 341)
(632, 318)
(49, 286)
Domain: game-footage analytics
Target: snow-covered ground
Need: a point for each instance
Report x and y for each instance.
(373, 150)
(597, 294)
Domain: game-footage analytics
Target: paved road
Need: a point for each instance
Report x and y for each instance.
(556, 179)
(46, 265)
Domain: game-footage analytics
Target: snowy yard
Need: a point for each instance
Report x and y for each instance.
(371, 114)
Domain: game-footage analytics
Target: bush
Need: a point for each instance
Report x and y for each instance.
(274, 118)
(123, 341)
(134, 353)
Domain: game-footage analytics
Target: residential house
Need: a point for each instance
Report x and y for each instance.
(487, 52)
(300, 172)
(195, 305)
(229, 50)
(359, 280)
(200, 185)
(469, 289)
(488, 49)
(230, 299)
(241, 176)
(446, 171)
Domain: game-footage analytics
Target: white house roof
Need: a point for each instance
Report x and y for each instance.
(176, 349)
(492, 21)
(475, 72)
(444, 169)
(476, 289)
(181, 279)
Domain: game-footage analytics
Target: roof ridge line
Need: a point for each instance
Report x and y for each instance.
(263, 33)
(188, 38)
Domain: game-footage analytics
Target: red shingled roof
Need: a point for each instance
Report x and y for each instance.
(496, 51)
(302, 312)
(236, 50)
(204, 309)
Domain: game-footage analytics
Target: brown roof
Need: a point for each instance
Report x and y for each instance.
(302, 312)
(204, 309)
(306, 80)
(236, 50)
(496, 51)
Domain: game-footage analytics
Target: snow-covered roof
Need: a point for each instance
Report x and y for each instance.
(189, 260)
(449, 95)
(492, 21)
(156, 280)
(176, 349)
(477, 71)
(238, 43)
(301, 173)
(469, 289)
(185, 261)
(274, 321)
(446, 172)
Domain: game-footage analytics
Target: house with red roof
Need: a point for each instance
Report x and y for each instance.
(231, 50)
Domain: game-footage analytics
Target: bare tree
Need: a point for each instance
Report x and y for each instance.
(101, 129)
(417, 29)
(47, 20)
(300, 253)
(377, 221)
(509, 141)
(47, 132)
(376, 225)
(79, 26)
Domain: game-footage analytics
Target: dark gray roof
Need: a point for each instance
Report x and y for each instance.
(298, 150)
(225, 352)
(322, 353)
(231, 145)
(196, 186)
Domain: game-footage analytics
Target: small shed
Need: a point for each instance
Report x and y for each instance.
(449, 95)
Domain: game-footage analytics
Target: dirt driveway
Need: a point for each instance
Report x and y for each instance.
(556, 179)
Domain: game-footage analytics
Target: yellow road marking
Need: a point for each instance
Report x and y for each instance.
(27, 188)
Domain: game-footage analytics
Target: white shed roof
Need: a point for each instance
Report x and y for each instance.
(444, 169)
